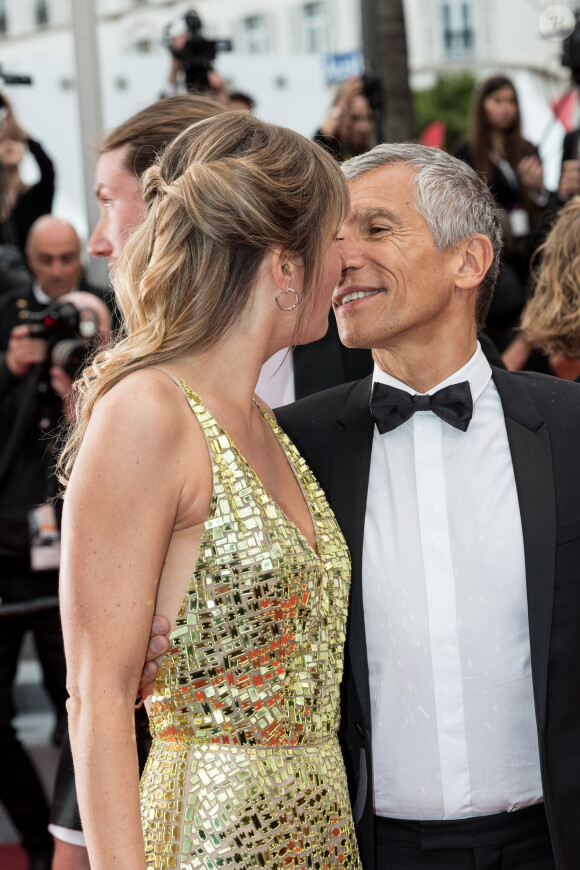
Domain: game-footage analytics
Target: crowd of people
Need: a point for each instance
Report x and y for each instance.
(340, 633)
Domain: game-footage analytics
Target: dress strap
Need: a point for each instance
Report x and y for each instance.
(191, 396)
(209, 425)
(173, 378)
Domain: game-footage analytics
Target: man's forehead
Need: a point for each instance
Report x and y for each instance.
(55, 242)
(112, 173)
(384, 190)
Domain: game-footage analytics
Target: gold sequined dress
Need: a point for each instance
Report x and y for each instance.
(245, 770)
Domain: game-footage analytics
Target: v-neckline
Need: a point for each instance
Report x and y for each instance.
(273, 425)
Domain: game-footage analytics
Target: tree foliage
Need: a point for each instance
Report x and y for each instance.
(448, 100)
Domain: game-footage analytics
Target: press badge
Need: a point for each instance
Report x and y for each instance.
(44, 538)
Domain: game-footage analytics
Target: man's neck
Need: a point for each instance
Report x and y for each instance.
(422, 367)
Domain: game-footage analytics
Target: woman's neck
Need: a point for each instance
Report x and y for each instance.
(497, 141)
(12, 181)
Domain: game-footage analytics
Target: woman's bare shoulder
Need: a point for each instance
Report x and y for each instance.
(147, 397)
(145, 412)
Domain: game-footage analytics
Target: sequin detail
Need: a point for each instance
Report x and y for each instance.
(245, 770)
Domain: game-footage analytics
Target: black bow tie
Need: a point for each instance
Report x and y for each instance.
(390, 407)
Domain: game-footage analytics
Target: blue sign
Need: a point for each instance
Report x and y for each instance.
(340, 67)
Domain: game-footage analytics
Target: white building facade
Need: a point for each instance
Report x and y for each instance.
(279, 53)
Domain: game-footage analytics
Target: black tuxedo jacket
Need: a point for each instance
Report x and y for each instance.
(334, 432)
(570, 145)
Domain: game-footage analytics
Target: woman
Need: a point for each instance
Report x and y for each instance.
(551, 319)
(347, 130)
(496, 148)
(21, 204)
(212, 517)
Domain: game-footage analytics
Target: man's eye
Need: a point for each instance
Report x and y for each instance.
(377, 229)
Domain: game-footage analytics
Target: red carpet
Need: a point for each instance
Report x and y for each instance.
(12, 857)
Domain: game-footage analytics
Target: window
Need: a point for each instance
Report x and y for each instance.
(313, 28)
(255, 34)
(41, 12)
(144, 46)
(3, 17)
(458, 29)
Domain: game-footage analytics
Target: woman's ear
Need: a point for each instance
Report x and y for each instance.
(284, 268)
(476, 259)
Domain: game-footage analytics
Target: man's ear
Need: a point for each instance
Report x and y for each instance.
(476, 259)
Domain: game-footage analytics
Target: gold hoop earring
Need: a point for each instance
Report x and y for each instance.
(285, 293)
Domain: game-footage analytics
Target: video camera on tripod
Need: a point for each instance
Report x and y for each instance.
(197, 54)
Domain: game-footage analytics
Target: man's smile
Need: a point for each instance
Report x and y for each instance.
(350, 294)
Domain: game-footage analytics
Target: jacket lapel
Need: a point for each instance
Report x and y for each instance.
(350, 457)
(529, 443)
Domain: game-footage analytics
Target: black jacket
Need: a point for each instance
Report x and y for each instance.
(334, 432)
(26, 480)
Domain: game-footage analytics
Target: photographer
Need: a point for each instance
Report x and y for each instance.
(192, 57)
(36, 322)
(348, 128)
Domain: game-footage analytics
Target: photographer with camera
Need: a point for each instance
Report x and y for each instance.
(348, 128)
(46, 333)
(192, 58)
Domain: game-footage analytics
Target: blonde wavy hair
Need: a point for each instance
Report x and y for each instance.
(225, 192)
(551, 318)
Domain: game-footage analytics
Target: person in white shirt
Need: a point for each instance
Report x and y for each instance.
(457, 487)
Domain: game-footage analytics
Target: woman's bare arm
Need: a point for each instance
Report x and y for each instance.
(119, 515)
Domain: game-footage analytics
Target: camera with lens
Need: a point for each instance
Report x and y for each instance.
(198, 53)
(71, 334)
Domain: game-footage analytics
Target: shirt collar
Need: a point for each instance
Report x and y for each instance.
(477, 371)
(40, 295)
(42, 298)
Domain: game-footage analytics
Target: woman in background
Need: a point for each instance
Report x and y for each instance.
(551, 318)
(512, 168)
(21, 204)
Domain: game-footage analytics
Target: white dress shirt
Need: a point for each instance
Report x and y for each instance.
(39, 294)
(276, 382)
(446, 615)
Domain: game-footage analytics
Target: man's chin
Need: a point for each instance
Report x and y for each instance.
(349, 338)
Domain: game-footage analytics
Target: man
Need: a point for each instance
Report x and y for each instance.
(53, 252)
(461, 721)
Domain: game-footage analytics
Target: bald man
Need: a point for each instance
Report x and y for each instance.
(53, 252)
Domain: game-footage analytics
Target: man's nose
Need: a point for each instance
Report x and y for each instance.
(99, 245)
(351, 255)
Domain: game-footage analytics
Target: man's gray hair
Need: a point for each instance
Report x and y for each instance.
(450, 195)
